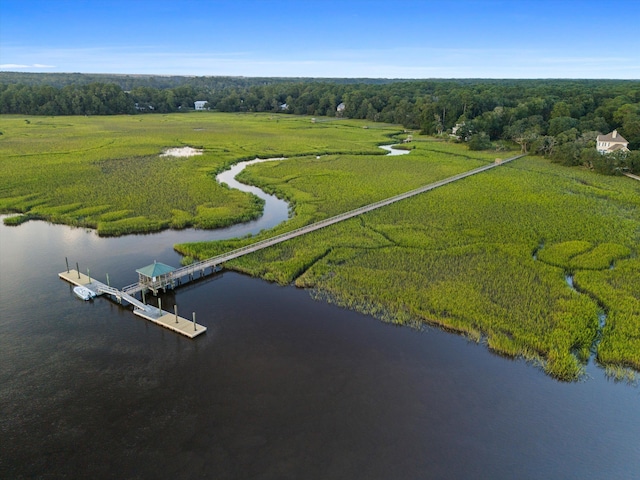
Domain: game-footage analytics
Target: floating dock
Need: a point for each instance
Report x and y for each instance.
(183, 326)
(171, 321)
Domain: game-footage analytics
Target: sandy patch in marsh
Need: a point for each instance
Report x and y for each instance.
(181, 152)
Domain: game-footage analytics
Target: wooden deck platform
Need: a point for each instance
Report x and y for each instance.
(168, 320)
(76, 278)
(160, 317)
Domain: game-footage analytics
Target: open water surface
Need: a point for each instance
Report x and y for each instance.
(280, 386)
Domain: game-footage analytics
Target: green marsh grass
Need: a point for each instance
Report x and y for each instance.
(106, 172)
(461, 256)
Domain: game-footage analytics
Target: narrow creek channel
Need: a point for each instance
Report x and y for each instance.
(602, 314)
(275, 209)
(602, 311)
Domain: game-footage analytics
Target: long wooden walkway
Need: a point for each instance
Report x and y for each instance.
(156, 315)
(190, 328)
(214, 262)
(631, 175)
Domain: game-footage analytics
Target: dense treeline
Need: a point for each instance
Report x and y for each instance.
(556, 118)
(129, 82)
(91, 99)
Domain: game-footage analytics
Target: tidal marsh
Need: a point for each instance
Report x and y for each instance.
(107, 172)
(461, 256)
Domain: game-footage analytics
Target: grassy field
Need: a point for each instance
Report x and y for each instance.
(486, 256)
(106, 173)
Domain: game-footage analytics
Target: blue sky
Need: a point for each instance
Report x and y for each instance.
(325, 38)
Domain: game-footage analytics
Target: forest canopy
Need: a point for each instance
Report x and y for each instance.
(555, 118)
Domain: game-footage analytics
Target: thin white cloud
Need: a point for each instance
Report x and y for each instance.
(6, 66)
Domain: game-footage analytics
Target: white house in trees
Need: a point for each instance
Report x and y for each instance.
(200, 104)
(611, 142)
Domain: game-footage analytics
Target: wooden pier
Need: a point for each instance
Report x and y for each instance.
(162, 277)
(213, 264)
(172, 321)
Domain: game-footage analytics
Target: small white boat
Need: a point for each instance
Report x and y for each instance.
(84, 293)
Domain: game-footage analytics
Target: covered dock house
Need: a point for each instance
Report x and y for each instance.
(156, 276)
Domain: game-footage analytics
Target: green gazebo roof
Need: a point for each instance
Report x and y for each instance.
(156, 269)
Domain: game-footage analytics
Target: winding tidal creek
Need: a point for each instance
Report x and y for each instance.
(275, 210)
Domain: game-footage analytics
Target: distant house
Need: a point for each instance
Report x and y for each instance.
(454, 130)
(284, 107)
(142, 108)
(611, 142)
(340, 108)
(200, 104)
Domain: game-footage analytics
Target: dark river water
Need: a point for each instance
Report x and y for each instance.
(280, 386)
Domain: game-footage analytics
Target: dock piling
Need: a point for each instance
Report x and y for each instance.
(67, 262)
(78, 270)
(88, 275)
(194, 322)
(108, 283)
(160, 317)
(159, 304)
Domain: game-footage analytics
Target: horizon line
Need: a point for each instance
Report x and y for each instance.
(186, 75)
